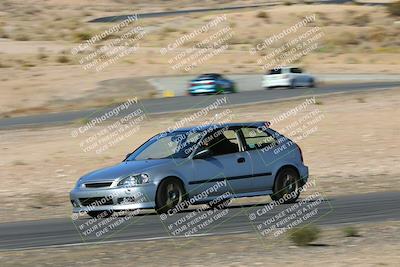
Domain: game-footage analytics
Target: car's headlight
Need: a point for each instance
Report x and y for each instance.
(135, 179)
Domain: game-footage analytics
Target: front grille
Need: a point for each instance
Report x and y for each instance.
(96, 201)
(126, 200)
(98, 185)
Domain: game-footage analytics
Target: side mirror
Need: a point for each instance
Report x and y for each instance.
(202, 154)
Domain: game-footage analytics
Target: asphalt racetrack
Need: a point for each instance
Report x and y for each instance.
(372, 207)
(186, 103)
(111, 19)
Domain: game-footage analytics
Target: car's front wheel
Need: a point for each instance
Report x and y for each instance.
(169, 194)
(286, 186)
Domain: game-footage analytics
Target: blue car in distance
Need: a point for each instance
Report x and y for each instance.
(207, 164)
(211, 83)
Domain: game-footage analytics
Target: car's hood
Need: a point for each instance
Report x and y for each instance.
(122, 169)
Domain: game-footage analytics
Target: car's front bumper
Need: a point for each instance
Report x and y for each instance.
(139, 197)
(202, 90)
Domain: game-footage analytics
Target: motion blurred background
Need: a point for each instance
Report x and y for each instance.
(39, 75)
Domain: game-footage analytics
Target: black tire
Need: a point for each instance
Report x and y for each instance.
(312, 83)
(286, 182)
(98, 214)
(292, 84)
(233, 88)
(170, 193)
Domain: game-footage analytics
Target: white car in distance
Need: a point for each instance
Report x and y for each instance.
(287, 77)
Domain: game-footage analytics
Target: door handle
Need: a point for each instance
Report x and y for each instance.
(241, 160)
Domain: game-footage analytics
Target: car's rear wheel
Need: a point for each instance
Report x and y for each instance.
(286, 186)
(233, 89)
(169, 194)
(292, 84)
(312, 83)
(98, 214)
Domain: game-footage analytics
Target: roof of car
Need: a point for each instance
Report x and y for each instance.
(222, 125)
(210, 74)
(289, 67)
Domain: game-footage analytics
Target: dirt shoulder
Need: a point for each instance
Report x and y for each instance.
(352, 150)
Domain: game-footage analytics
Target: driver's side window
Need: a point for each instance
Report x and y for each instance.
(221, 142)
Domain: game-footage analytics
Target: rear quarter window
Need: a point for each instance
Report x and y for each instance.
(257, 139)
(295, 70)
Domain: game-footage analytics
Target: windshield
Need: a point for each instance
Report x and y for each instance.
(178, 144)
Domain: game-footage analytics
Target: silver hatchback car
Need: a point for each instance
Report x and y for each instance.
(198, 165)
